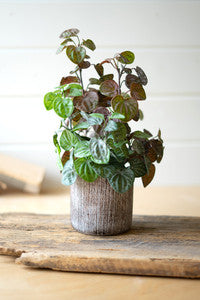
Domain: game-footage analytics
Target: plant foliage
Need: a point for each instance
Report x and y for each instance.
(94, 138)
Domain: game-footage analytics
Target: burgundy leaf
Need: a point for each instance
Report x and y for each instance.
(137, 91)
(109, 88)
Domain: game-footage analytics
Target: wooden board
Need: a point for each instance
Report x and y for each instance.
(156, 245)
(21, 174)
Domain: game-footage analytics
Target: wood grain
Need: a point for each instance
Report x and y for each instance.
(157, 246)
(21, 174)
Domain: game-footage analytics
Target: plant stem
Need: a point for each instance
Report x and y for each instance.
(77, 75)
(70, 123)
(79, 42)
(119, 81)
(119, 76)
(120, 73)
(122, 82)
(81, 78)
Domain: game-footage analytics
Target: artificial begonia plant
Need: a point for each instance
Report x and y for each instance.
(94, 138)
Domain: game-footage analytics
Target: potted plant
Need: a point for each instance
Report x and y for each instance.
(98, 153)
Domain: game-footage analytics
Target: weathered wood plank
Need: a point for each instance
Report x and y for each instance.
(156, 245)
(21, 174)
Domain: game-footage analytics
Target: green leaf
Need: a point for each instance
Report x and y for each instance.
(120, 150)
(138, 146)
(75, 90)
(137, 91)
(89, 44)
(141, 135)
(111, 142)
(63, 107)
(85, 170)
(84, 115)
(138, 166)
(55, 141)
(82, 149)
(99, 69)
(109, 88)
(69, 174)
(49, 100)
(69, 33)
(141, 115)
(97, 115)
(120, 153)
(117, 116)
(58, 151)
(126, 107)
(63, 45)
(60, 49)
(126, 57)
(99, 150)
(107, 77)
(122, 180)
(59, 162)
(117, 158)
(94, 81)
(104, 170)
(111, 126)
(82, 125)
(76, 54)
(120, 134)
(66, 41)
(95, 119)
(159, 136)
(148, 132)
(137, 116)
(142, 76)
(68, 140)
(128, 70)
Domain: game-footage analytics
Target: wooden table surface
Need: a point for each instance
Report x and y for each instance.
(20, 282)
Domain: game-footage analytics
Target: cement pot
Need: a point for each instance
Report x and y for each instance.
(97, 209)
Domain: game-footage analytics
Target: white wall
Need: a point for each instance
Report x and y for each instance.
(164, 36)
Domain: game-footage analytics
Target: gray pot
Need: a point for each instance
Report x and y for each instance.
(97, 209)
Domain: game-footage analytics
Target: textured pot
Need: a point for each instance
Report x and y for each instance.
(97, 209)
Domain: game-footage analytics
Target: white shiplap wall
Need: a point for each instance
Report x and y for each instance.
(164, 36)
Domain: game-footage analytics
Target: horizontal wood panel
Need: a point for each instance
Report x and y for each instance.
(34, 72)
(139, 23)
(180, 165)
(25, 120)
(164, 35)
